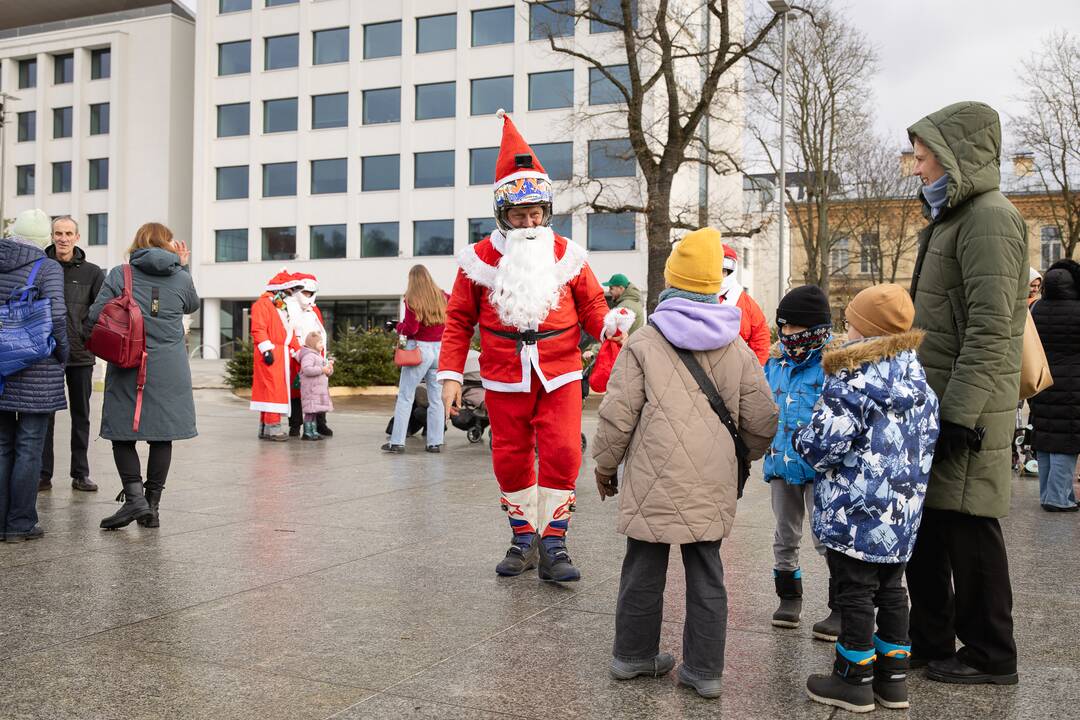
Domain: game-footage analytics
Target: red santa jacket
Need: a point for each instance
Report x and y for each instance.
(755, 328)
(270, 384)
(556, 360)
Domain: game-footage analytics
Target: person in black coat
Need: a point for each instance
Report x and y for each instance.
(1055, 412)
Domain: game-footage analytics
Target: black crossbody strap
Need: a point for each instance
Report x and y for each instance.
(715, 401)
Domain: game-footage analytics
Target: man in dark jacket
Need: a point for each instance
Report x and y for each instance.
(970, 289)
(82, 282)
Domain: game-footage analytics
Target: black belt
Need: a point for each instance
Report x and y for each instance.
(526, 337)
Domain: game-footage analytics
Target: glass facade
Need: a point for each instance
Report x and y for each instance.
(99, 119)
(228, 6)
(234, 119)
(610, 10)
(611, 231)
(382, 40)
(61, 177)
(61, 122)
(329, 176)
(27, 122)
(24, 179)
(279, 179)
(551, 19)
(604, 92)
(494, 26)
(282, 51)
(433, 237)
(97, 229)
(382, 106)
(232, 182)
(549, 90)
(480, 228)
(234, 58)
(327, 242)
(99, 174)
(63, 68)
(27, 73)
(563, 225)
(379, 239)
(611, 158)
(557, 159)
(433, 169)
(380, 172)
(490, 94)
(100, 63)
(436, 100)
(330, 46)
(279, 115)
(231, 245)
(435, 33)
(482, 165)
(329, 111)
(279, 243)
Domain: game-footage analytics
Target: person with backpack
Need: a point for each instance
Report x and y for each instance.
(33, 374)
(163, 408)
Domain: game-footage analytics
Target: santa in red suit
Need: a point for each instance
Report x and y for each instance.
(755, 328)
(276, 344)
(307, 318)
(530, 291)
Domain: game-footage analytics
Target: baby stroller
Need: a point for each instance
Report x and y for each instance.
(1024, 462)
(418, 416)
(472, 417)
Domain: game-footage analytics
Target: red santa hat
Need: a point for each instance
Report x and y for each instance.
(306, 282)
(508, 166)
(731, 258)
(284, 279)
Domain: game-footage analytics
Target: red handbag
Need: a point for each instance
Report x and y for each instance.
(119, 337)
(404, 357)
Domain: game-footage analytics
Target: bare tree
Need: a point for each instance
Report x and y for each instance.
(1050, 127)
(670, 64)
(829, 67)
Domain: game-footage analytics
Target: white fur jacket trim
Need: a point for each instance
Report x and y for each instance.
(566, 269)
(618, 320)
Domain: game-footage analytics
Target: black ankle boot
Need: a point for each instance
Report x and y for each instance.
(153, 498)
(890, 682)
(849, 686)
(555, 563)
(829, 628)
(134, 507)
(523, 554)
(789, 590)
(321, 427)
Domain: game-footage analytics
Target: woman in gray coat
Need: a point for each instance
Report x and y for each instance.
(165, 293)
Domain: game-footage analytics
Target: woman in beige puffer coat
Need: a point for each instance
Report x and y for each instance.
(680, 471)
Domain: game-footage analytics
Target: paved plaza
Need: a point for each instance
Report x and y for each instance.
(327, 580)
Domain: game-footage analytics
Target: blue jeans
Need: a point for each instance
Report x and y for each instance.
(410, 378)
(22, 438)
(1056, 473)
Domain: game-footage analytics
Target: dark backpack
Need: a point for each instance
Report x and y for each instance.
(119, 337)
(25, 328)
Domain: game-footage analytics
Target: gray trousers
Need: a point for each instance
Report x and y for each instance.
(791, 504)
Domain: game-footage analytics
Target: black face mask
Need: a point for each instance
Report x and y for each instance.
(799, 345)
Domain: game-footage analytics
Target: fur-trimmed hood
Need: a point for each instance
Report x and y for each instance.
(850, 355)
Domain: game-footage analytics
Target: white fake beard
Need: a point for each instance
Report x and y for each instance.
(526, 286)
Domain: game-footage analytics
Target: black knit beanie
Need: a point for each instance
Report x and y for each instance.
(807, 306)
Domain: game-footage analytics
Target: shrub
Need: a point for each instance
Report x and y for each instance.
(239, 368)
(364, 357)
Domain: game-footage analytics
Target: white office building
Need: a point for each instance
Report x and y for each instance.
(98, 120)
(351, 139)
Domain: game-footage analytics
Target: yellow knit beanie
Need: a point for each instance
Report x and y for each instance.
(696, 262)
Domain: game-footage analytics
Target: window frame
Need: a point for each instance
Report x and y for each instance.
(428, 223)
(396, 239)
(343, 124)
(416, 100)
(268, 170)
(263, 244)
(67, 122)
(366, 94)
(569, 100)
(94, 168)
(364, 171)
(589, 230)
(217, 119)
(218, 255)
(107, 117)
(63, 68)
(321, 163)
(30, 128)
(295, 37)
(27, 73)
(25, 180)
(539, 149)
(607, 143)
(93, 230)
(452, 36)
(218, 183)
(597, 82)
(400, 38)
(498, 104)
(474, 180)
(344, 241)
(266, 115)
(491, 10)
(61, 165)
(440, 155)
(96, 64)
(533, 24)
(315, 45)
(233, 44)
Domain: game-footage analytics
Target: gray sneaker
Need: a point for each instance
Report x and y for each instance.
(705, 687)
(657, 666)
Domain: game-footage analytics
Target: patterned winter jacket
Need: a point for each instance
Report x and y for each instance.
(796, 387)
(872, 437)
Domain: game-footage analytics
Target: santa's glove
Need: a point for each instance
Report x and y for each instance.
(954, 438)
(268, 357)
(606, 485)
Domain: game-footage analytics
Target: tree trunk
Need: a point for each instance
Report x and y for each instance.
(658, 233)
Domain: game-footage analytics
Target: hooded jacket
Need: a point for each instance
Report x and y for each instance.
(82, 283)
(40, 387)
(680, 473)
(970, 290)
(796, 387)
(872, 438)
(631, 300)
(1055, 412)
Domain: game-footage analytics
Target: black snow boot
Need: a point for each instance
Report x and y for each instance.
(829, 628)
(555, 563)
(153, 499)
(890, 682)
(320, 425)
(789, 590)
(134, 507)
(849, 686)
(523, 555)
(296, 418)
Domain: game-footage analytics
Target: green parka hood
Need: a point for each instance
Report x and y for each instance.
(966, 139)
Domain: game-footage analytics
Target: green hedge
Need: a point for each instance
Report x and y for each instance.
(362, 358)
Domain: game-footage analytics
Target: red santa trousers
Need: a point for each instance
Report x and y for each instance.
(522, 422)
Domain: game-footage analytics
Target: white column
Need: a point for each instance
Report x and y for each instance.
(211, 328)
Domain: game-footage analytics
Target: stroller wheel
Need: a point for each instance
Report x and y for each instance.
(474, 434)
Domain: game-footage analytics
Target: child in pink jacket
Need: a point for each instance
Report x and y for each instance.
(315, 372)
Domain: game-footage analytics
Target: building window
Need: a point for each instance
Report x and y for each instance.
(279, 179)
(433, 237)
(329, 176)
(63, 68)
(234, 58)
(230, 6)
(380, 172)
(99, 119)
(840, 255)
(382, 40)
(27, 73)
(231, 245)
(329, 111)
(869, 261)
(330, 46)
(379, 239)
(279, 243)
(482, 165)
(433, 169)
(232, 182)
(490, 94)
(327, 242)
(557, 159)
(61, 122)
(99, 174)
(551, 19)
(611, 11)
(611, 231)
(1050, 244)
(97, 229)
(24, 180)
(604, 92)
(282, 51)
(382, 106)
(27, 122)
(563, 224)
(435, 33)
(494, 26)
(61, 177)
(234, 119)
(275, 3)
(100, 63)
(435, 101)
(549, 90)
(611, 158)
(279, 115)
(480, 228)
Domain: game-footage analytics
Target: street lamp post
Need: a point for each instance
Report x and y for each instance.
(782, 8)
(4, 99)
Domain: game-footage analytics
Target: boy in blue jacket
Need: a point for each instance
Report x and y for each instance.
(804, 323)
(872, 438)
